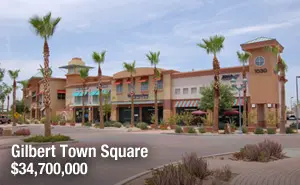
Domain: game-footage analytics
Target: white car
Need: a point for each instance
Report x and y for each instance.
(291, 117)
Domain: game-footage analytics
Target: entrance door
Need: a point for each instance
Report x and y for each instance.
(125, 114)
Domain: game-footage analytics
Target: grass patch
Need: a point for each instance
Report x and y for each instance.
(44, 139)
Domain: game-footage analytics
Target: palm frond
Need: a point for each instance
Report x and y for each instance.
(13, 74)
(129, 67)
(84, 73)
(24, 83)
(243, 57)
(274, 49)
(153, 57)
(99, 57)
(213, 45)
(285, 67)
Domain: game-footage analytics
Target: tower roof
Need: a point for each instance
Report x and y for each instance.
(259, 39)
(75, 62)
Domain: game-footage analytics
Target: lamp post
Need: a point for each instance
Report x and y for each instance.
(240, 88)
(297, 122)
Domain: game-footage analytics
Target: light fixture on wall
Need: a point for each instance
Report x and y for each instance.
(253, 105)
(269, 105)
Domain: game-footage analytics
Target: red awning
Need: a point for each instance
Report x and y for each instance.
(157, 79)
(143, 79)
(128, 81)
(117, 82)
(61, 91)
(42, 92)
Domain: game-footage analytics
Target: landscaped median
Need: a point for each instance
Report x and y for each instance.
(219, 169)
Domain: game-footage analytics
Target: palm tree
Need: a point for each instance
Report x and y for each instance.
(24, 84)
(14, 75)
(99, 59)
(214, 45)
(84, 73)
(153, 57)
(280, 68)
(45, 27)
(244, 59)
(7, 92)
(42, 71)
(131, 69)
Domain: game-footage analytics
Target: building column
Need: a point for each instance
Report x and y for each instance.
(141, 113)
(74, 115)
(114, 116)
(167, 109)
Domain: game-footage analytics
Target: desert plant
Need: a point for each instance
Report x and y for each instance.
(142, 126)
(126, 125)
(224, 173)
(232, 125)
(192, 130)
(117, 124)
(36, 121)
(195, 166)
(172, 120)
(187, 118)
(259, 130)
(252, 117)
(88, 124)
(22, 132)
(178, 129)
(271, 131)
(52, 138)
(201, 130)
(245, 129)
(207, 120)
(271, 118)
(289, 130)
(43, 120)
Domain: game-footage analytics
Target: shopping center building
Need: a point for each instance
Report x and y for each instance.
(177, 91)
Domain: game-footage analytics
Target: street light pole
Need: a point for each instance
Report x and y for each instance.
(297, 122)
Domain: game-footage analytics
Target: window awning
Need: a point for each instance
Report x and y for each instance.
(128, 81)
(187, 103)
(78, 93)
(117, 82)
(61, 91)
(143, 79)
(42, 92)
(96, 93)
(236, 102)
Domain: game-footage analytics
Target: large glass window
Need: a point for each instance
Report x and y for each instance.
(61, 96)
(185, 90)
(194, 90)
(119, 88)
(78, 100)
(177, 91)
(144, 86)
(160, 84)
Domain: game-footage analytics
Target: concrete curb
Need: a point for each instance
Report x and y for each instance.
(259, 135)
(149, 171)
(38, 144)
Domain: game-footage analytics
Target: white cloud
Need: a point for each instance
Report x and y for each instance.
(231, 8)
(257, 28)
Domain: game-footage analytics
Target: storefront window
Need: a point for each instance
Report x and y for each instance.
(119, 88)
(177, 91)
(160, 84)
(78, 100)
(144, 86)
(194, 90)
(185, 90)
(61, 96)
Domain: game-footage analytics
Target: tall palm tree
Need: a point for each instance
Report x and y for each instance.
(131, 69)
(99, 59)
(214, 45)
(280, 68)
(244, 59)
(45, 27)
(7, 92)
(153, 57)
(42, 71)
(3, 94)
(84, 73)
(24, 84)
(14, 75)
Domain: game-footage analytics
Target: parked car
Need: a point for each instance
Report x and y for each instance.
(291, 117)
(4, 119)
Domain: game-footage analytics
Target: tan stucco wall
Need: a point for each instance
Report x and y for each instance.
(56, 104)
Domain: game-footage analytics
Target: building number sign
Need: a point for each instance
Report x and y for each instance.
(264, 70)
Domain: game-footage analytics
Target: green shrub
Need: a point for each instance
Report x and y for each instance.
(109, 123)
(36, 121)
(289, 130)
(271, 131)
(117, 124)
(43, 139)
(127, 124)
(195, 166)
(178, 129)
(191, 130)
(201, 130)
(259, 130)
(88, 124)
(142, 125)
(27, 121)
(43, 120)
(245, 129)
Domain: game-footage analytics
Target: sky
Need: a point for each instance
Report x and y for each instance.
(128, 29)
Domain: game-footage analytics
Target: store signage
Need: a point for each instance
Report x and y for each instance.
(230, 77)
(264, 70)
(139, 96)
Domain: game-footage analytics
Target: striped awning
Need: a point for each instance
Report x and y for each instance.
(236, 102)
(187, 103)
(96, 93)
(79, 93)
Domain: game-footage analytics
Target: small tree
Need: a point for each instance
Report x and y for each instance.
(226, 97)
(187, 118)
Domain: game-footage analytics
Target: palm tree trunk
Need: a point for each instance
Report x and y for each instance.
(282, 111)
(2, 107)
(47, 89)
(83, 106)
(14, 102)
(216, 67)
(132, 101)
(7, 105)
(100, 98)
(245, 98)
(155, 99)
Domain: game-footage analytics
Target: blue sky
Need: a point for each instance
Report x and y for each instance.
(128, 29)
